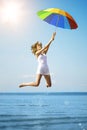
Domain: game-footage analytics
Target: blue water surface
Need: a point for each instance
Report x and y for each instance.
(43, 111)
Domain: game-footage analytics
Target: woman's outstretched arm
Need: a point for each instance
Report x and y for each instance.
(45, 49)
(49, 43)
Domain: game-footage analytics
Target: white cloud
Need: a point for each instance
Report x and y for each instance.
(28, 76)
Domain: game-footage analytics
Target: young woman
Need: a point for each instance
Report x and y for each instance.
(43, 69)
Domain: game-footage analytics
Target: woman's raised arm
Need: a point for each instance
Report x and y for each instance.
(46, 47)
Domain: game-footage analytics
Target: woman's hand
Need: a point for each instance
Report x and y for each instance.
(53, 36)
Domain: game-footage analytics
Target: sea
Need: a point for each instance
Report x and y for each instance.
(43, 111)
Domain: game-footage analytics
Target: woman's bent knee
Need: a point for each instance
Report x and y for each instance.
(37, 84)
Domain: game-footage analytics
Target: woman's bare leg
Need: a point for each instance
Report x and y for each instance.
(36, 83)
(48, 80)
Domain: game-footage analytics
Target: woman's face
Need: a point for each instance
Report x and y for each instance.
(39, 46)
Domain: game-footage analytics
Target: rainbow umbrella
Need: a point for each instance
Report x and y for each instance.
(58, 18)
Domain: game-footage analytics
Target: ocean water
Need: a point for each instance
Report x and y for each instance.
(43, 111)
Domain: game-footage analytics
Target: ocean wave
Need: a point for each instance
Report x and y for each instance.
(22, 118)
(37, 122)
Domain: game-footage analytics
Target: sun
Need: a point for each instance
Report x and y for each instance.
(10, 12)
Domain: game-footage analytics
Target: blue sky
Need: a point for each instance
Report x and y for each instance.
(67, 57)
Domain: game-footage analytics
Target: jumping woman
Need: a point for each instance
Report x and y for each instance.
(43, 69)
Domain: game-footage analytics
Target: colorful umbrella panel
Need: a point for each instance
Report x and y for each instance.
(58, 18)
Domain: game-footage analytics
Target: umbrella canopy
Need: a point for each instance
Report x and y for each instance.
(58, 18)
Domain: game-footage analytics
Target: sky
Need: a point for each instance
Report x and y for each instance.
(20, 27)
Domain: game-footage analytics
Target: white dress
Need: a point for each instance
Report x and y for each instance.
(42, 65)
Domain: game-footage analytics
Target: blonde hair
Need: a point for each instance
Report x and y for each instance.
(34, 47)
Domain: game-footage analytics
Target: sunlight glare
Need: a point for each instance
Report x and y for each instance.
(11, 12)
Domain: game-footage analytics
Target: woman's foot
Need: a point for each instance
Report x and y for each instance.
(21, 85)
(47, 86)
